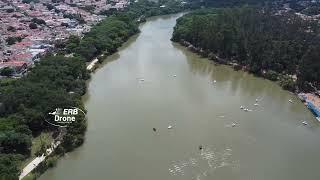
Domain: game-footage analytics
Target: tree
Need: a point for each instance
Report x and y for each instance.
(65, 24)
(11, 28)
(10, 10)
(12, 40)
(9, 166)
(38, 21)
(6, 71)
(310, 65)
(33, 26)
(73, 43)
(12, 141)
(49, 6)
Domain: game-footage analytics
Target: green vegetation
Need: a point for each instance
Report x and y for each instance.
(33, 26)
(273, 46)
(12, 40)
(113, 31)
(29, 1)
(11, 28)
(106, 36)
(40, 144)
(38, 21)
(6, 71)
(27, 102)
(8, 166)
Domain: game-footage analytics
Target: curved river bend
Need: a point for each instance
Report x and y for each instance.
(269, 143)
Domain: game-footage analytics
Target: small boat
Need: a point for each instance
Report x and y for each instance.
(154, 129)
(174, 75)
(318, 118)
(304, 123)
(169, 127)
(141, 79)
(233, 124)
(290, 101)
(241, 107)
(246, 109)
(214, 81)
(257, 100)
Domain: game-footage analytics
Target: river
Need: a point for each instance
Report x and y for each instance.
(268, 143)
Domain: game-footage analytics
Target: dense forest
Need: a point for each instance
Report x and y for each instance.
(279, 47)
(25, 104)
(110, 34)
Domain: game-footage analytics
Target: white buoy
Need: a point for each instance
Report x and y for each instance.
(214, 81)
(169, 127)
(257, 100)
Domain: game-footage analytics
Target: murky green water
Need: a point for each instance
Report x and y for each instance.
(269, 143)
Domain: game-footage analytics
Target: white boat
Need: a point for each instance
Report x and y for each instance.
(174, 75)
(304, 123)
(290, 101)
(256, 104)
(214, 81)
(241, 107)
(169, 127)
(318, 118)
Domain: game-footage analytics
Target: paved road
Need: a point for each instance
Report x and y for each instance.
(36, 161)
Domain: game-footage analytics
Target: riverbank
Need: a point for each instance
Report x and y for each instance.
(122, 111)
(289, 59)
(36, 161)
(312, 100)
(105, 39)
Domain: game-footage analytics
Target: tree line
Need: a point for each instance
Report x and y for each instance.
(280, 47)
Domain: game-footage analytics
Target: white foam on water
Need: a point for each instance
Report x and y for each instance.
(205, 163)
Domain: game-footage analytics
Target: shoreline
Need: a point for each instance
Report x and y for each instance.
(91, 67)
(213, 57)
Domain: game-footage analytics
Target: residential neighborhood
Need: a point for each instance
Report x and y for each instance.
(31, 28)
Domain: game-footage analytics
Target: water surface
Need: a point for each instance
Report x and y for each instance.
(269, 143)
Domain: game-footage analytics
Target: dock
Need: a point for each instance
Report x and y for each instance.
(312, 101)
